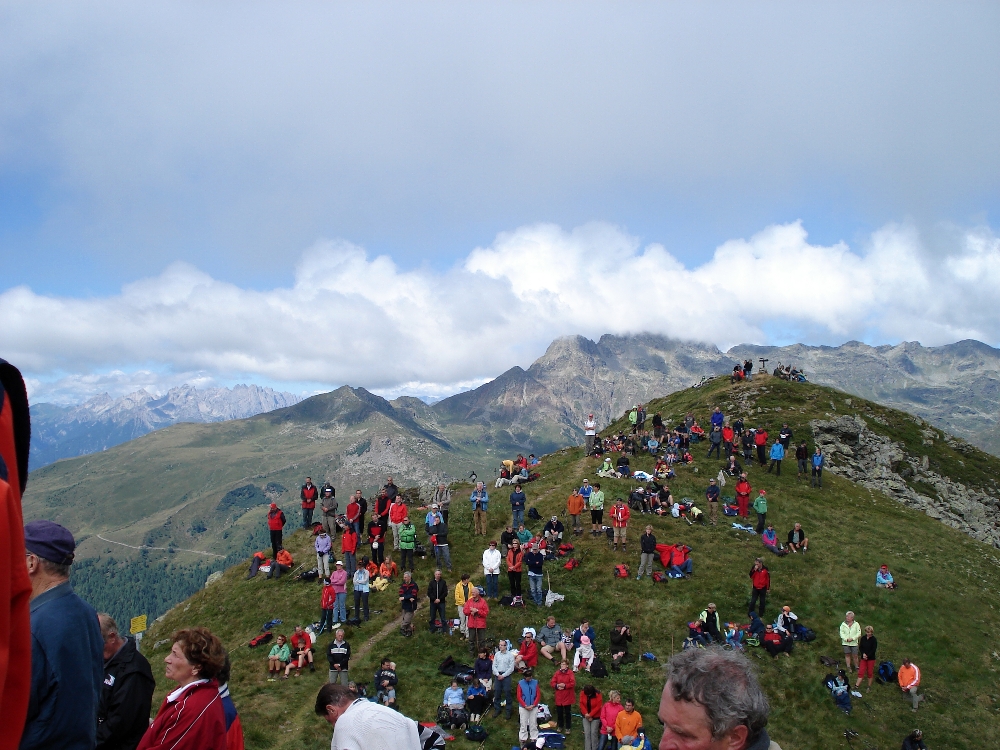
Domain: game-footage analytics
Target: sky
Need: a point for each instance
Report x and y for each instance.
(414, 197)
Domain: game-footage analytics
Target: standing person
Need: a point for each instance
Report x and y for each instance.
(234, 727)
(442, 499)
(619, 522)
(817, 469)
(323, 545)
(361, 583)
(743, 490)
(728, 435)
(628, 723)
(407, 544)
(476, 611)
(515, 567)
(867, 647)
(67, 651)
(353, 512)
(308, 495)
(491, 569)
(718, 418)
(574, 507)
(442, 552)
(534, 560)
(397, 514)
(590, 433)
(647, 551)
(640, 417)
(715, 442)
(633, 418)
(327, 601)
(760, 440)
(760, 583)
(746, 440)
(408, 597)
(380, 514)
(760, 508)
(609, 713)
(376, 541)
(463, 592)
(785, 436)
(850, 636)
(349, 549)
(338, 655)
(363, 506)
(777, 454)
(517, 502)
(503, 668)
(127, 691)
(712, 496)
(528, 698)
(480, 500)
(595, 501)
(591, 703)
(437, 595)
(329, 510)
(275, 523)
(507, 536)
(747, 368)
(564, 682)
(802, 459)
(338, 586)
(360, 724)
(711, 700)
(391, 490)
(909, 681)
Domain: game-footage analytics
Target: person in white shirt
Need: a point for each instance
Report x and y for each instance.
(590, 433)
(491, 568)
(359, 724)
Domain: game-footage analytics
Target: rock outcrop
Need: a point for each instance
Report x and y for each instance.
(872, 460)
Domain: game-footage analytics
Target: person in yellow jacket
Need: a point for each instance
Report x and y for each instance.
(574, 506)
(909, 679)
(850, 637)
(463, 592)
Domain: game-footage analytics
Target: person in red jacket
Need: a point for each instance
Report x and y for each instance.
(527, 652)
(591, 703)
(308, 495)
(619, 522)
(191, 717)
(760, 581)
(275, 523)
(15, 587)
(743, 490)
(349, 549)
(760, 440)
(727, 439)
(353, 514)
(376, 538)
(476, 611)
(398, 511)
(564, 682)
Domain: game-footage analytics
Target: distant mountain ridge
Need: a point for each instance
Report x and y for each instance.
(102, 421)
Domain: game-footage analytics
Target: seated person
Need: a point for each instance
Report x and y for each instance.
(914, 741)
(584, 656)
(737, 375)
(278, 658)
(653, 446)
(584, 630)
(797, 539)
(711, 623)
(476, 701)
(551, 639)
(777, 643)
(786, 621)
(281, 564)
(607, 470)
(532, 461)
(680, 561)
(385, 684)
(661, 468)
(523, 535)
(638, 500)
(482, 670)
(697, 432)
(883, 579)
(527, 653)
(301, 647)
(388, 569)
(770, 540)
(553, 531)
(621, 636)
(622, 466)
(756, 624)
(733, 468)
(454, 696)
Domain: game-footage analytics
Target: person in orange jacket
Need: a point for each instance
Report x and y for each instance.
(282, 563)
(575, 506)
(909, 681)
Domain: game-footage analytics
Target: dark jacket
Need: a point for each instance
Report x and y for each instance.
(338, 654)
(437, 590)
(67, 669)
(620, 641)
(440, 532)
(385, 675)
(802, 532)
(647, 543)
(126, 699)
(867, 647)
(409, 593)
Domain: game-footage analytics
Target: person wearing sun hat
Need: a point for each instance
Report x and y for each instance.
(67, 650)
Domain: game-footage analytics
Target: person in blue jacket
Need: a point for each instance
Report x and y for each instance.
(817, 469)
(777, 453)
(480, 500)
(67, 650)
(517, 502)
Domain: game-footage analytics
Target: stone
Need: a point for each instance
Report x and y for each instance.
(213, 578)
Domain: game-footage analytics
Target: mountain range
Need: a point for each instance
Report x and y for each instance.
(102, 422)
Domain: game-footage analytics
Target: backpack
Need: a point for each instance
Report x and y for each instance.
(621, 570)
(730, 510)
(886, 672)
(802, 633)
(476, 733)
(609, 532)
(534, 515)
(597, 668)
(565, 547)
(262, 638)
(308, 575)
(659, 577)
(552, 739)
(571, 563)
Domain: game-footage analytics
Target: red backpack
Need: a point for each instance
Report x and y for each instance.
(571, 563)
(621, 570)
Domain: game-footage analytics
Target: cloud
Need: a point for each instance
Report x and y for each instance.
(352, 318)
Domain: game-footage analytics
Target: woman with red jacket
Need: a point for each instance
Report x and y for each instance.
(743, 490)
(591, 703)
(191, 717)
(609, 714)
(565, 684)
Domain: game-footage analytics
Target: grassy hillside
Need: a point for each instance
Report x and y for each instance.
(944, 615)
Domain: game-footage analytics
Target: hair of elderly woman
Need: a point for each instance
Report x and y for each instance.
(723, 683)
(203, 650)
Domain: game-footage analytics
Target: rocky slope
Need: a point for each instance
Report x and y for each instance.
(103, 422)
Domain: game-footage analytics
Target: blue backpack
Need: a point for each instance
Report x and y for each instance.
(886, 672)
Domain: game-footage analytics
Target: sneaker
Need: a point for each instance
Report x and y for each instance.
(638, 578)
(335, 626)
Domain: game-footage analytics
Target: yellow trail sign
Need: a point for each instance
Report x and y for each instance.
(138, 625)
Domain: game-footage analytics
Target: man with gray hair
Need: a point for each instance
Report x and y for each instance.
(127, 693)
(712, 701)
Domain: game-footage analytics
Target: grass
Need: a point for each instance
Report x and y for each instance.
(944, 615)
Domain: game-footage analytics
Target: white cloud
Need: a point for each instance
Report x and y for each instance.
(349, 318)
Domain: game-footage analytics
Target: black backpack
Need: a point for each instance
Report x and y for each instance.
(597, 668)
(534, 515)
(476, 733)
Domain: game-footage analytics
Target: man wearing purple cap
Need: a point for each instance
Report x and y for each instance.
(67, 651)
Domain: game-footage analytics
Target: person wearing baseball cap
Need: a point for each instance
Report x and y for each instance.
(67, 650)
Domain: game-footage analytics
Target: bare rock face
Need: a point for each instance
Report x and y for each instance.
(872, 460)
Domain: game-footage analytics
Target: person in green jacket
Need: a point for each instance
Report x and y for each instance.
(407, 544)
(276, 660)
(633, 418)
(760, 506)
(596, 504)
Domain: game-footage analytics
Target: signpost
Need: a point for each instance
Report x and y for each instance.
(137, 625)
